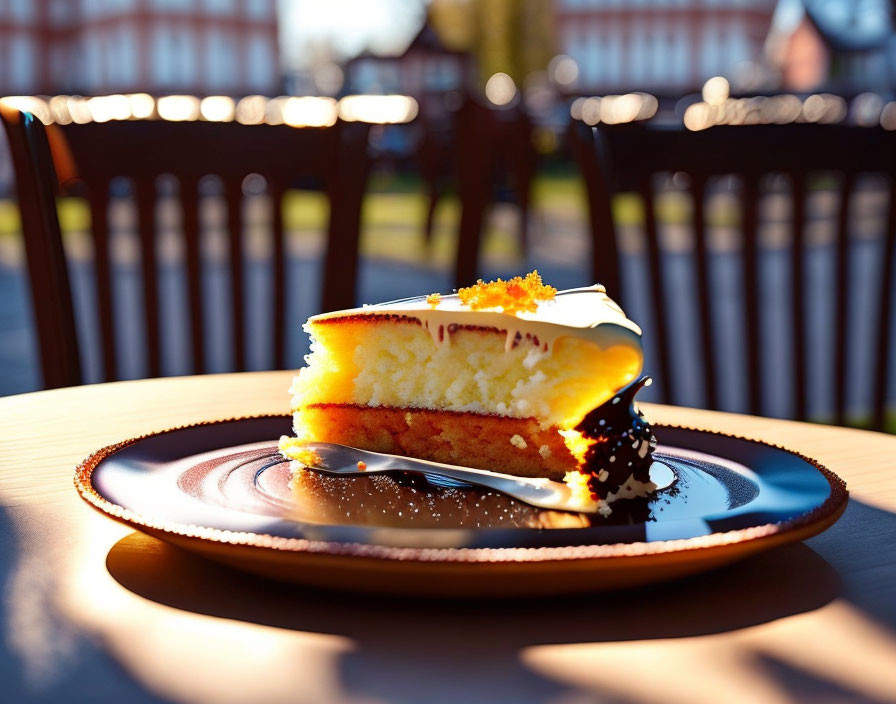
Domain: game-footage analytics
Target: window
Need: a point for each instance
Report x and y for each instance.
(61, 12)
(92, 8)
(21, 10)
(680, 57)
(175, 5)
(185, 57)
(261, 68)
(594, 60)
(122, 57)
(614, 69)
(219, 7)
(637, 55)
(21, 64)
(220, 61)
(162, 68)
(259, 9)
(93, 61)
(710, 58)
(173, 57)
(121, 5)
(662, 43)
(738, 46)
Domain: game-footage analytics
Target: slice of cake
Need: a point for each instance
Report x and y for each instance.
(510, 376)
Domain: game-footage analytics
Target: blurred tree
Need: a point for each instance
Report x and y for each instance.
(515, 37)
(455, 23)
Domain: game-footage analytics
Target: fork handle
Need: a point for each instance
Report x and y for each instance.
(537, 491)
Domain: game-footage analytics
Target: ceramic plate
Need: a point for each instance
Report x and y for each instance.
(219, 489)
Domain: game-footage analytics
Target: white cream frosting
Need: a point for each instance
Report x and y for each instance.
(587, 313)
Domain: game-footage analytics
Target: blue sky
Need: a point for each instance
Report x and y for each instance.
(348, 26)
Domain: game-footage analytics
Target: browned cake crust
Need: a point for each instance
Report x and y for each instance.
(453, 437)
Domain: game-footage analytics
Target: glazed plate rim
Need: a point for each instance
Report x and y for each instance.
(798, 528)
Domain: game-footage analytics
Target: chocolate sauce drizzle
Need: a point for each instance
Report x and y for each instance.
(621, 434)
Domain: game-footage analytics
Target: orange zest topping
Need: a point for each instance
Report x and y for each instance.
(433, 299)
(518, 295)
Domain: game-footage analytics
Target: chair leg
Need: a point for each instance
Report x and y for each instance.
(434, 196)
(473, 210)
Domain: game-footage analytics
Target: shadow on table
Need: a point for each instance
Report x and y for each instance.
(783, 582)
(435, 640)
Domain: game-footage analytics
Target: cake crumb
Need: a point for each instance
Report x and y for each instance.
(361, 466)
(409, 418)
(544, 451)
(294, 449)
(518, 442)
(433, 299)
(518, 295)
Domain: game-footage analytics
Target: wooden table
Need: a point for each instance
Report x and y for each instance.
(92, 611)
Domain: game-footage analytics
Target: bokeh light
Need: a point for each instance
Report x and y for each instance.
(29, 103)
(217, 108)
(591, 111)
(251, 110)
(310, 112)
(178, 108)
(104, 108)
(888, 116)
(143, 105)
(500, 89)
(563, 70)
(379, 109)
(716, 90)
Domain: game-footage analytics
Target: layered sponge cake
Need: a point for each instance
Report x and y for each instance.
(509, 376)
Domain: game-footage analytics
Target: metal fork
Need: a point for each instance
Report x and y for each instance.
(343, 460)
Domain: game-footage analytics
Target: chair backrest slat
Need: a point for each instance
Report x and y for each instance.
(234, 192)
(474, 182)
(279, 277)
(189, 201)
(52, 307)
(883, 352)
(842, 297)
(753, 331)
(704, 295)
(490, 145)
(145, 191)
(98, 199)
(797, 293)
(657, 286)
(605, 263)
(341, 261)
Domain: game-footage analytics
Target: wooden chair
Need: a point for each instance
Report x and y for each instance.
(53, 314)
(628, 158)
(141, 151)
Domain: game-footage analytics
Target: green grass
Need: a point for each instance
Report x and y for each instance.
(10, 223)
(74, 215)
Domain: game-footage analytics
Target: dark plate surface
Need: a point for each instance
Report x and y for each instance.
(222, 483)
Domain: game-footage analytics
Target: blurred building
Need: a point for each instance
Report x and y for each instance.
(155, 46)
(663, 46)
(802, 57)
(426, 67)
(843, 46)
